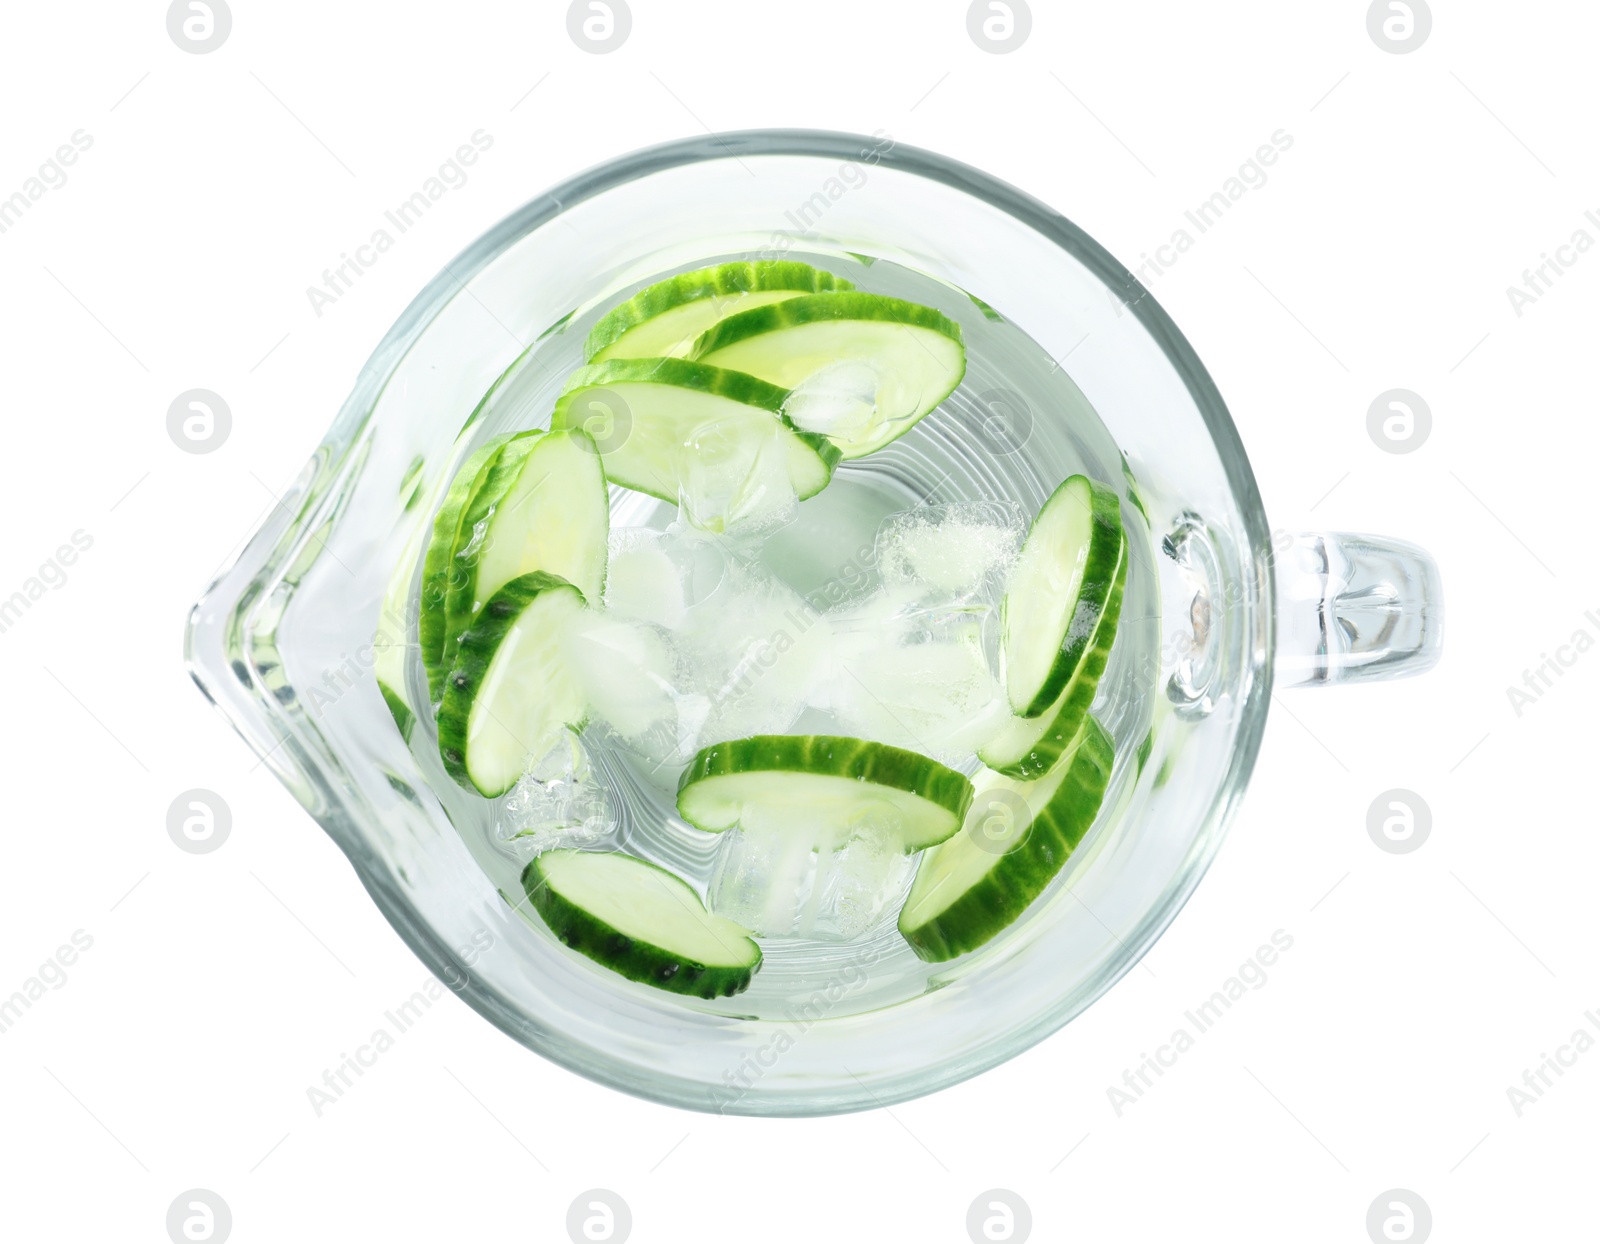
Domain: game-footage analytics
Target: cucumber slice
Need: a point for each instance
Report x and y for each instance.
(542, 506)
(641, 922)
(661, 417)
(1016, 838)
(664, 320)
(432, 626)
(511, 693)
(1027, 747)
(866, 367)
(830, 785)
(1064, 576)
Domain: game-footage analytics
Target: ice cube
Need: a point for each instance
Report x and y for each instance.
(760, 880)
(780, 879)
(957, 553)
(655, 576)
(557, 803)
(627, 670)
(839, 400)
(734, 479)
(670, 743)
(754, 650)
(641, 579)
(864, 881)
(831, 558)
(732, 651)
(914, 679)
(915, 664)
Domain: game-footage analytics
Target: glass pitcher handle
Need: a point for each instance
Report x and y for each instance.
(1353, 607)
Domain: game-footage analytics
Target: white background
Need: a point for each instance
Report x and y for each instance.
(1420, 986)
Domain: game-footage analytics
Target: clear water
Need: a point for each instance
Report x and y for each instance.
(1014, 429)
